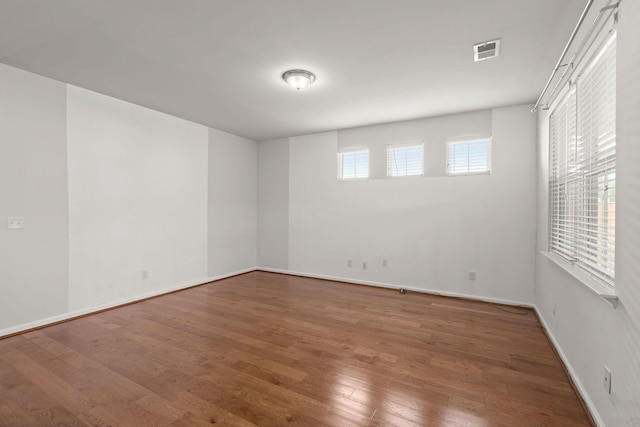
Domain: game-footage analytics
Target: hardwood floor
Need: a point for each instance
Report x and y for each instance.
(272, 350)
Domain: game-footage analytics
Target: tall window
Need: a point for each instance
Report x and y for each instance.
(582, 172)
(469, 156)
(405, 159)
(353, 164)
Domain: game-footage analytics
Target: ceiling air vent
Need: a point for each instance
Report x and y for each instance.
(486, 50)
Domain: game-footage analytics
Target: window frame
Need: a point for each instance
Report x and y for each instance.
(354, 151)
(405, 145)
(467, 140)
(576, 238)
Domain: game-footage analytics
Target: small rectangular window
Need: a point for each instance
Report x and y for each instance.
(405, 159)
(469, 156)
(353, 164)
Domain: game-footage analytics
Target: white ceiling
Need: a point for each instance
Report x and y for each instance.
(219, 62)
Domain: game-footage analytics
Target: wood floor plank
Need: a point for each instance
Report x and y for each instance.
(12, 412)
(264, 349)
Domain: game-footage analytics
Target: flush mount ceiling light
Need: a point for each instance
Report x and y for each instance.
(298, 78)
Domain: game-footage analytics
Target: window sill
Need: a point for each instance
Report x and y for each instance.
(594, 285)
(452, 174)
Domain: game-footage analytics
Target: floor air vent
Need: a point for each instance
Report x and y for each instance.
(486, 50)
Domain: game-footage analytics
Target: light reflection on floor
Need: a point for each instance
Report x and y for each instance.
(392, 403)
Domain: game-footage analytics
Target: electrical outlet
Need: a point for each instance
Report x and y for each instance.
(364, 265)
(472, 275)
(15, 222)
(349, 263)
(261, 252)
(145, 274)
(606, 381)
(554, 308)
(385, 262)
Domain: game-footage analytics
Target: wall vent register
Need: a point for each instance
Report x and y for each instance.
(486, 50)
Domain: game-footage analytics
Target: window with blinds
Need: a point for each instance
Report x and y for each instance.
(405, 159)
(469, 156)
(353, 164)
(582, 181)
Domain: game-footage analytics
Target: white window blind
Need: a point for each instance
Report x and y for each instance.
(562, 180)
(469, 156)
(582, 177)
(353, 164)
(405, 159)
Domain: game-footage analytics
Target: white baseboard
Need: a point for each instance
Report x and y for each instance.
(70, 315)
(595, 415)
(392, 286)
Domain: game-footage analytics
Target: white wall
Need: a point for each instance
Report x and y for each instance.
(33, 184)
(432, 230)
(273, 204)
(137, 200)
(108, 190)
(233, 198)
(587, 330)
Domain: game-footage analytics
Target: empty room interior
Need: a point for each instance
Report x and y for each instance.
(320, 213)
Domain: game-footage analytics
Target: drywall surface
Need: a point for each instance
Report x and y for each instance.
(33, 185)
(273, 204)
(432, 230)
(120, 202)
(232, 203)
(588, 331)
(137, 200)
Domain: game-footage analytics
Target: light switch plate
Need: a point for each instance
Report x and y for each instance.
(15, 222)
